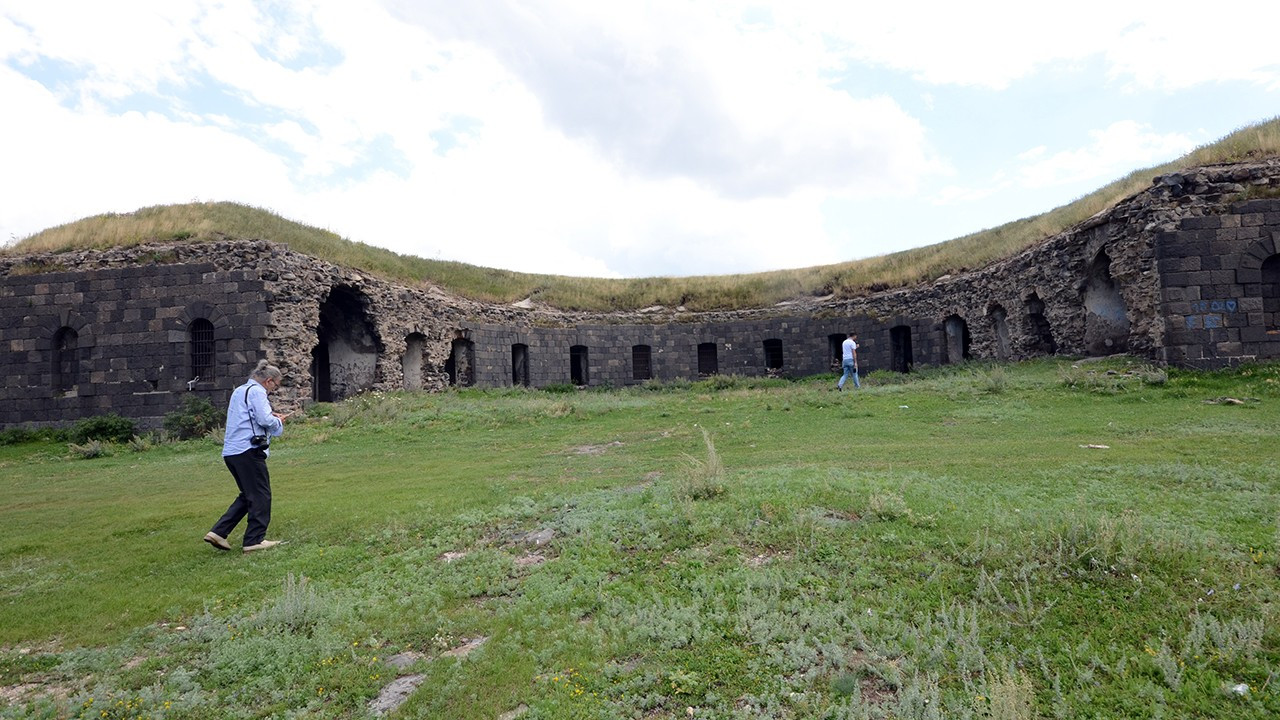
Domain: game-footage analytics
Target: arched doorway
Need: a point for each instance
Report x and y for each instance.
(1106, 319)
(900, 358)
(1042, 341)
(415, 347)
(344, 360)
(999, 330)
(956, 332)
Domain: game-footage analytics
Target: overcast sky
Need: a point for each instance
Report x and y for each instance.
(610, 138)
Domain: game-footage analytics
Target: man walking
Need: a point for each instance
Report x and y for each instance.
(849, 361)
(251, 424)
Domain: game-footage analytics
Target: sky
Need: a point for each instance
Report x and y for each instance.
(615, 139)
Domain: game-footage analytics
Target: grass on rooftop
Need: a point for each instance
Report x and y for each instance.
(205, 221)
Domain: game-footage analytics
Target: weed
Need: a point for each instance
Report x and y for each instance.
(91, 449)
(1010, 695)
(887, 506)
(704, 478)
(299, 609)
(1225, 642)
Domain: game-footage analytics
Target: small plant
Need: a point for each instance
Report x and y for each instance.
(300, 609)
(887, 506)
(91, 449)
(107, 428)
(140, 443)
(1168, 665)
(994, 381)
(845, 684)
(705, 478)
(1012, 696)
(195, 418)
(560, 388)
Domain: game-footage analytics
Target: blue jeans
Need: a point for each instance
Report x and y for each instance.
(850, 371)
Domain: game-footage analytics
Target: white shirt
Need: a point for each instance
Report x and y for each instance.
(850, 349)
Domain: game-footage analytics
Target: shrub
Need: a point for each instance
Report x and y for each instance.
(561, 387)
(106, 428)
(91, 449)
(18, 436)
(195, 418)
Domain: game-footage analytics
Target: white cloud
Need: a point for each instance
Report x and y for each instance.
(662, 137)
(667, 90)
(1111, 151)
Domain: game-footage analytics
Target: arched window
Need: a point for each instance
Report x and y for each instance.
(1271, 292)
(66, 360)
(956, 333)
(641, 362)
(202, 348)
(461, 364)
(520, 365)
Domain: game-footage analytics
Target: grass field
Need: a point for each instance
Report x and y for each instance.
(950, 544)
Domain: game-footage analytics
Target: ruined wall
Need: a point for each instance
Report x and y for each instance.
(1185, 272)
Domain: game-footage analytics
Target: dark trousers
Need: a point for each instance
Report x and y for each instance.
(249, 468)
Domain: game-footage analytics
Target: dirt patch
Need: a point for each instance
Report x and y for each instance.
(13, 694)
(594, 449)
(530, 560)
(764, 558)
(466, 648)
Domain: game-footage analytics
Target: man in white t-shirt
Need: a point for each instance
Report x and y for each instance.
(849, 361)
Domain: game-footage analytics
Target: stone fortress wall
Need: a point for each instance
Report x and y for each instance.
(1185, 272)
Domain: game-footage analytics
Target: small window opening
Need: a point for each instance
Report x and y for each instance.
(641, 362)
(203, 349)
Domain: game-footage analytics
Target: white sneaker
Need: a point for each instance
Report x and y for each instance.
(217, 541)
(264, 545)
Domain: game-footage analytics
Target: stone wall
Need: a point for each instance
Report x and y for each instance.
(1185, 272)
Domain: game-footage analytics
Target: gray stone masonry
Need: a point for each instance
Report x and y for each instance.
(1184, 272)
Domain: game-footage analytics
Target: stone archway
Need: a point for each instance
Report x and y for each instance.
(1042, 341)
(999, 330)
(1106, 318)
(344, 360)
(956, 332)
(415, 348)
(900, 356)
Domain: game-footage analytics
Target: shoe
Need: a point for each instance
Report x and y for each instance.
(217, 541)
(264, 545)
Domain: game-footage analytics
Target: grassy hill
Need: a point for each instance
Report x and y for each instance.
(197, 222)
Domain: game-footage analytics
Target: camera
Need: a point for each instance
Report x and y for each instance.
(259, 441)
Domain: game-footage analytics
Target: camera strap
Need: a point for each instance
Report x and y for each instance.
(253, 421)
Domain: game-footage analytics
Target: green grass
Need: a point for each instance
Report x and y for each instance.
(935, 546)
(210, 221)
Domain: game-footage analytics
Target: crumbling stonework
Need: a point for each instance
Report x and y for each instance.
(1185, 272)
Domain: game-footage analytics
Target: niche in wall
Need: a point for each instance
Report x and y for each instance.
(344, 360)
